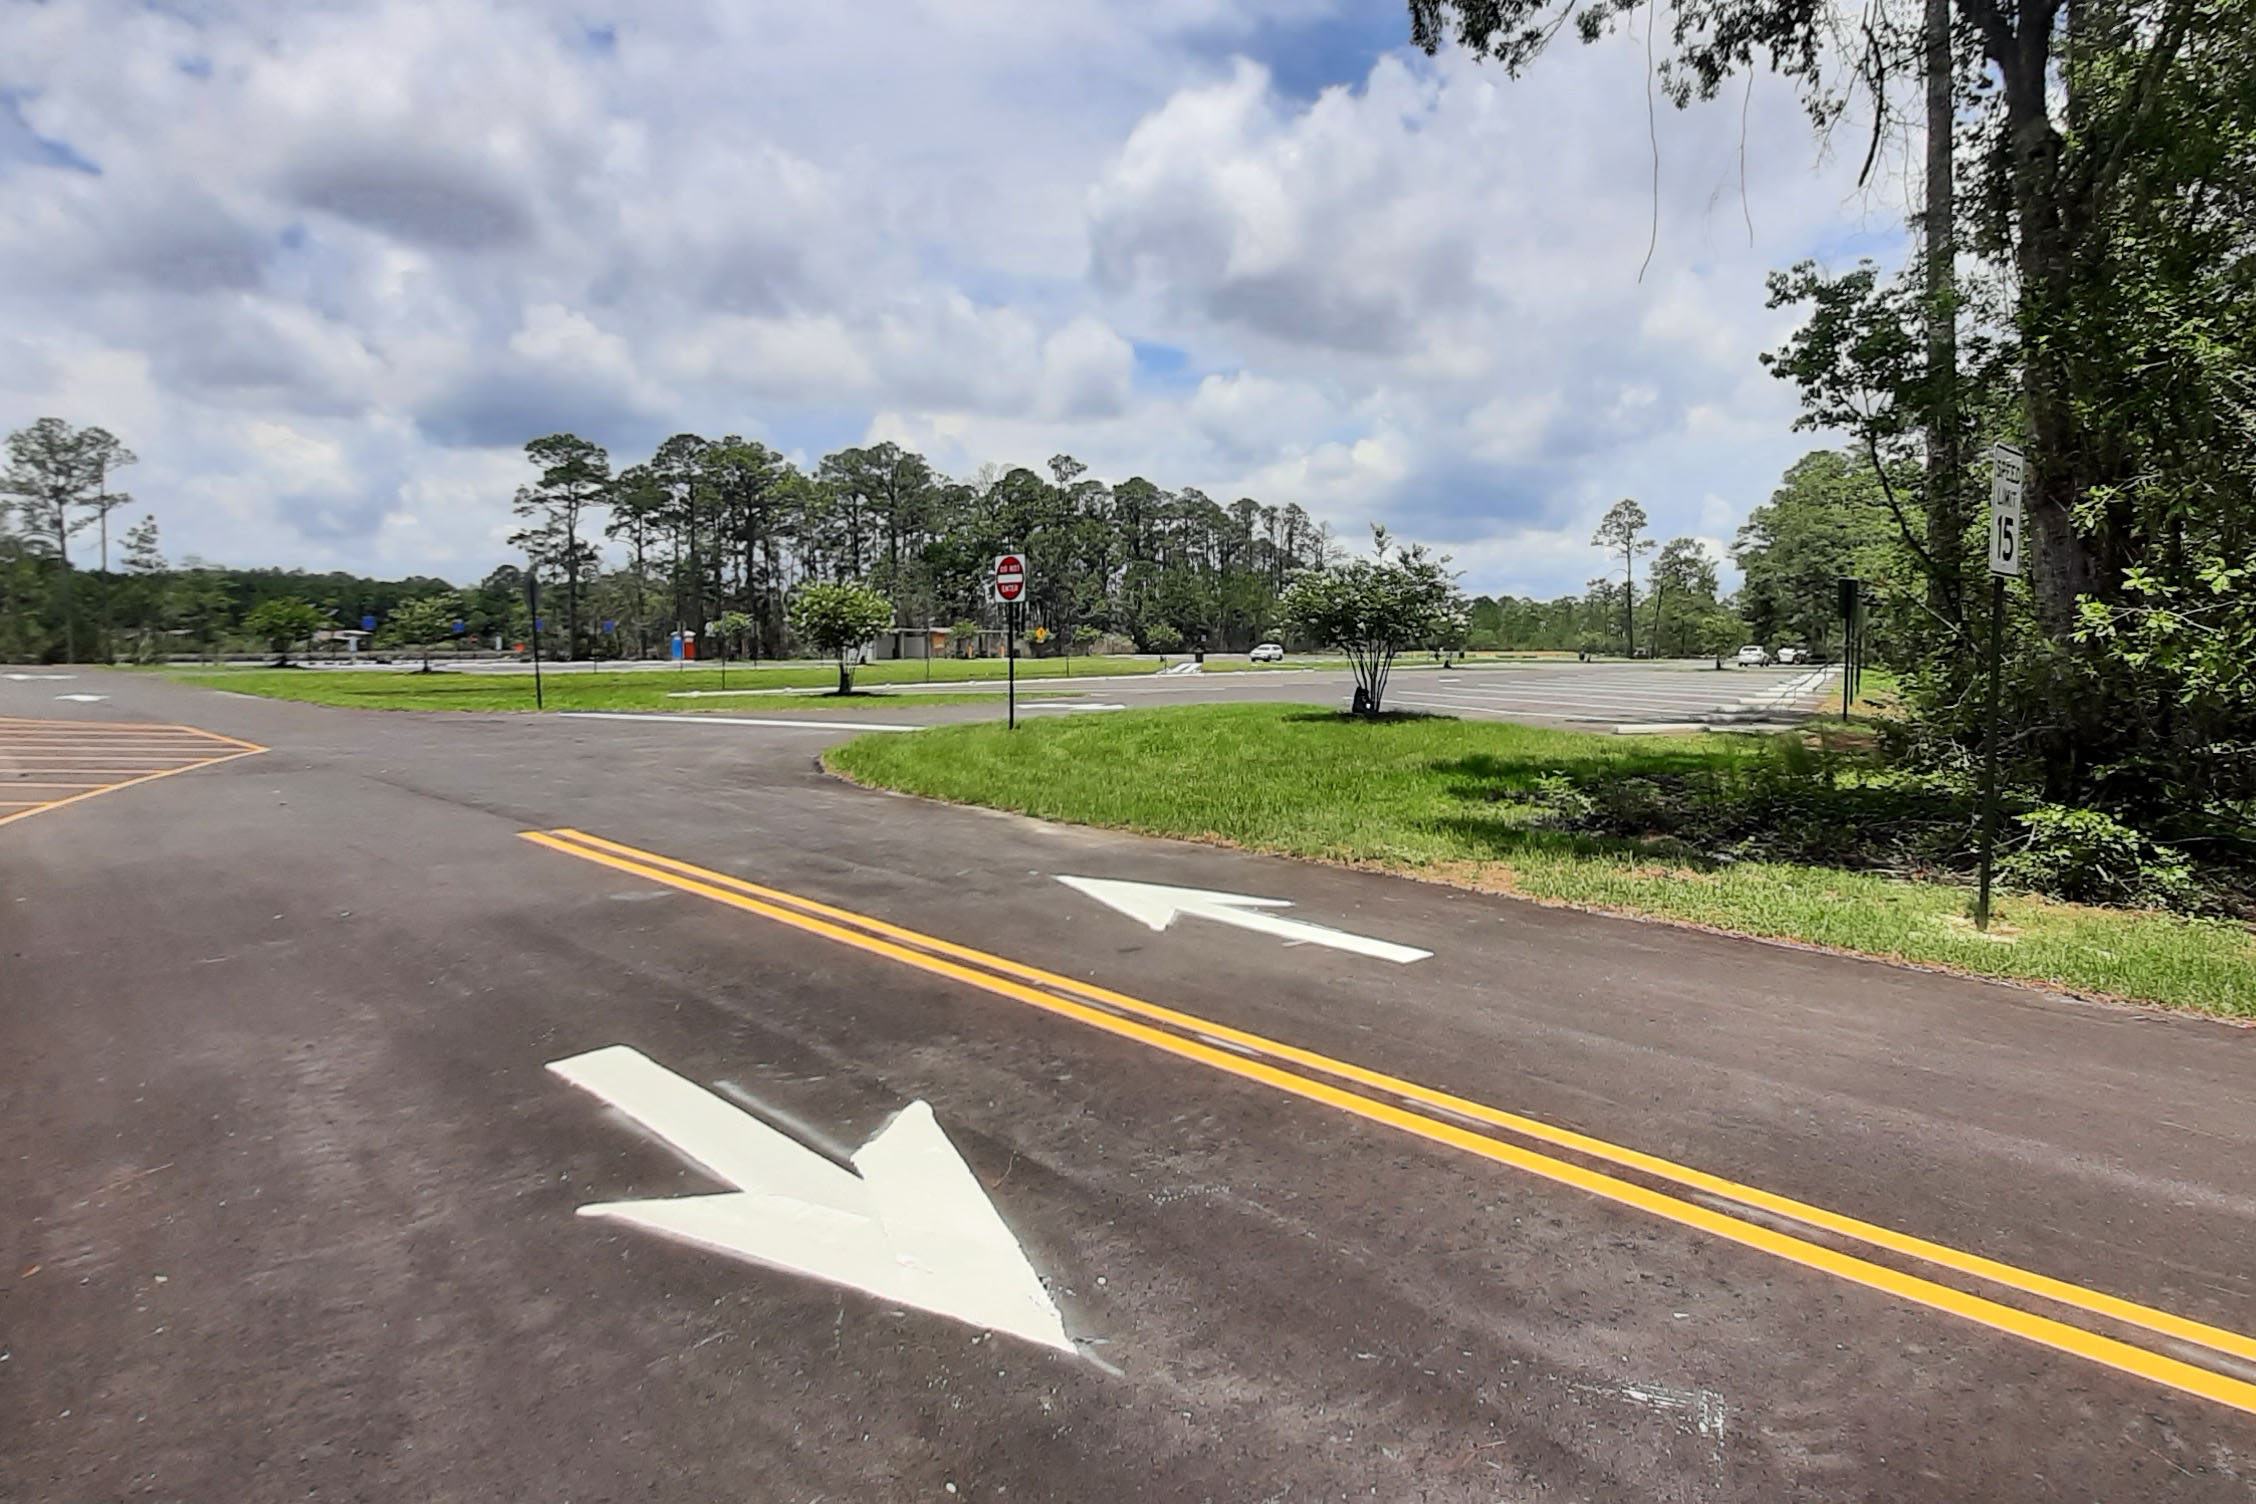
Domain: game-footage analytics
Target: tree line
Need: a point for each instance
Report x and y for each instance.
(716, 536)
(709, 527)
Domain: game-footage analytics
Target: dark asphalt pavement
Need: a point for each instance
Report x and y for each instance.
(1544, 692)
(289, 1202)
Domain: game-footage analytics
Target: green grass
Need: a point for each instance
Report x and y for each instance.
(569, 689)
(1443, 799)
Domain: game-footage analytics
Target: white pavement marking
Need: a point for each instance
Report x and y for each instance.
(1156, 905)
(1070, 709)
(731, 720)
(26, 678)
(84, 699)
(908, 1224)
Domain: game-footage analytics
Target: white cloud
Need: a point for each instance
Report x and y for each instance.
(324, 268)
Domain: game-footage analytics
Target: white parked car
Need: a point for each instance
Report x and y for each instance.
(1753, 655)
(1791, 655)
(1268, 652)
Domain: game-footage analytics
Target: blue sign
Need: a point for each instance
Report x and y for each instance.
(368, 623)
(458, 627)
(609, 625)
(540, 623)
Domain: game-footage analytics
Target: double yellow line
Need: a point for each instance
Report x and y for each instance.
(1427, 1113)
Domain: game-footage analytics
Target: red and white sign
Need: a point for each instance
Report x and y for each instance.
(1010, 578)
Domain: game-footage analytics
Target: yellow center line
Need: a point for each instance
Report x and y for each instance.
(946, 959)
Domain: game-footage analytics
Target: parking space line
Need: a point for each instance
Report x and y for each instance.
(1286, 1068)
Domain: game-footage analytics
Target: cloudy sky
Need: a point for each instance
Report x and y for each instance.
(326, 266)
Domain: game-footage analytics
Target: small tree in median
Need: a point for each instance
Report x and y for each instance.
(423, 621)
(839, 619)
(734, 629)
(1371, 609)
(282, 622)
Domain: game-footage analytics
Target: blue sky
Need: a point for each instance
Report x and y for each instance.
(326, 268)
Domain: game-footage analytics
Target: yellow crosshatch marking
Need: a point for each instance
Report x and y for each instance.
(47, 764)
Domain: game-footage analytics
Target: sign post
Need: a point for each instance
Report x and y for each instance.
(1852, 639)
(2008, 471)
(532, 603)
(1008, 585)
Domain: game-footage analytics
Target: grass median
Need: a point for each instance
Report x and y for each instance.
(1453, 801)
(705, 686)
(575, 688)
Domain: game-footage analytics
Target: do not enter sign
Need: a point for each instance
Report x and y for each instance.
(1010, 577)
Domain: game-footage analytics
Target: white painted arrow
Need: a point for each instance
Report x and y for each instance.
(1157, 905)
(908, 1224)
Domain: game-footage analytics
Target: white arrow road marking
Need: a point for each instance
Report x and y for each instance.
(1157, 905)
(909, 1224)
(84, 699)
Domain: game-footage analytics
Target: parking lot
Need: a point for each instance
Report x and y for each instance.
(1627, 694)
(1631, 695)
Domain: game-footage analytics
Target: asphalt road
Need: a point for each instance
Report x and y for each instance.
(1584, 695)
(290, 1193)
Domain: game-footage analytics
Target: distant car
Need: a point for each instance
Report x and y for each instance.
(1268, 652)
(1753, 655)
(1791, 655)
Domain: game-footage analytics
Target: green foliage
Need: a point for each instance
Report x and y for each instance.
(734, 629)
(284, 622)
(1828, 518)
(2090, 857)
(2088, 289)
(423, 623)
(839, 619)
(56, 482)
(1373, 609)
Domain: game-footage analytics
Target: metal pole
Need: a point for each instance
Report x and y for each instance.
(532, 594)
(1010, 652)
(1990, 756)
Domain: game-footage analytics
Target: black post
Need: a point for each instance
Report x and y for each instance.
(532, 600)
(1010, 653)
(1846, 588)
(1990, 756)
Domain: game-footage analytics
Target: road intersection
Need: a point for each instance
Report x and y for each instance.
(1570, 1207)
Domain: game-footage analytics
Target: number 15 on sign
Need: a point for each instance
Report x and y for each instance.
(2007, 471)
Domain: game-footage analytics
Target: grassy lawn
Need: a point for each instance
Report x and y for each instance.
(1446, 800)
(576, 687)
(572, 689)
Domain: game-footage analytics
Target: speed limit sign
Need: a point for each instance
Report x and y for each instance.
(2008, 470)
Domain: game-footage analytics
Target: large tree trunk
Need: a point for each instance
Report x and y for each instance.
(1946, 509)
(2066, 563)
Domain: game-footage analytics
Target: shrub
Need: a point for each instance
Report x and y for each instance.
(2088, 856)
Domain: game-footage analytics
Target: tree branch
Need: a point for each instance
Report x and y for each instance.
(1903, 526)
